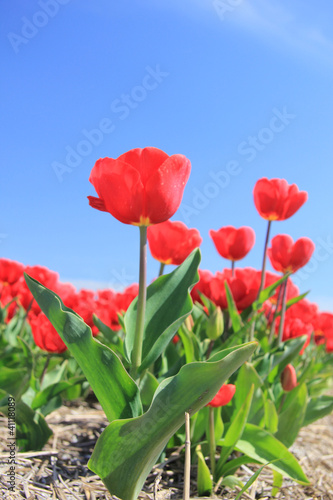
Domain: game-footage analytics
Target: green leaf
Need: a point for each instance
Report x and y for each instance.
(273, 363)
(277, 483)
(148, 385)
(186, 339)
(250, 482)
(291, 419)
(233, 465)
(127, 449)
(247, 376)
(32, 431)
(271, 416)
(51, 391)
(114, 388)
(267, 292)
(234, 432)
(318, 408)
(236, 320)
(259, 444)
(232, 482)
(168, 304)
(204, 480)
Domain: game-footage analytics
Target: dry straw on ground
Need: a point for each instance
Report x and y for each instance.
(60, 472)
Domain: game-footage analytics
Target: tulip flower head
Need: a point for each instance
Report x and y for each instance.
(224, 396)
(172, 242)
(275, 199)
(287, 256)
(288, 378)
(231, 243)
(140, 187)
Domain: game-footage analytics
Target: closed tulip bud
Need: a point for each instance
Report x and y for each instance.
(215, 324)
(288, 378)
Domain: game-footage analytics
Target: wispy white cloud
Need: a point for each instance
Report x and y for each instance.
(287, 27)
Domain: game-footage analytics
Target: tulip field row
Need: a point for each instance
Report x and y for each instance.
(241, 354)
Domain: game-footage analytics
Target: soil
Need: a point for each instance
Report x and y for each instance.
(59, 471)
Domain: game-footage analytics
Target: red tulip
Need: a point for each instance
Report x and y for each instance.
(288, 378)
(275, 199)
(171, 242)
(224, 396)
(231, 243)
(287, 256)
(323, 330)
(203, 285)
(140, 187)
(244, 286)
(10, 271)
(45, 335)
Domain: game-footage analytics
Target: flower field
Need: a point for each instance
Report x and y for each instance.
(223, 369)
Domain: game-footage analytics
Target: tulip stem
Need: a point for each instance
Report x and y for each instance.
(162, 266)
(283, 311)
(263, 269)
(232, 268)
(212, 447)
(278, 302)
(140, 318)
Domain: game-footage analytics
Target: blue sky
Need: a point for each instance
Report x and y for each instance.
(243, 88)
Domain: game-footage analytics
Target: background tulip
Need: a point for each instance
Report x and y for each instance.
(140, 187)
(287, 256)
(288, 378)
(275, 199)
(45, 335)
(232, 243)
(224, 396)
(172, 242)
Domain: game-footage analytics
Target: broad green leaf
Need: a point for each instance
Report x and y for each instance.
(204, 480)
(168, 304)
(236, 320)
(114, 388)
(318, 408)
(291, 419)
(127, 449)
(234, 432)
(259, 444)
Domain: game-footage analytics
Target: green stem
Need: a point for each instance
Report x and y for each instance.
(283, 311)
(162, 266)
(140, 318)
(232, 268)
(263, 269)
(212, 447)
(278, 302)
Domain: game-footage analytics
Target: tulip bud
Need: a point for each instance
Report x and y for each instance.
(215, 324)
(288, 378)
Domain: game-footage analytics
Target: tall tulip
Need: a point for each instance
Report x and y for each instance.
(141, 187)
(232, 243)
